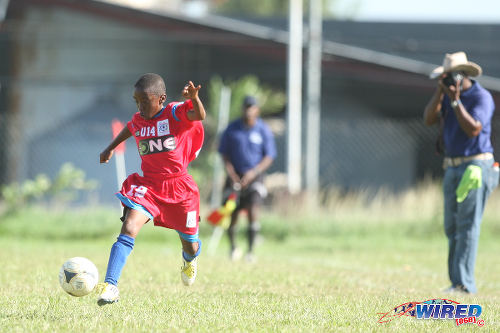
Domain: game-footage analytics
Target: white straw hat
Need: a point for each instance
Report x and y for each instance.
(456, 62)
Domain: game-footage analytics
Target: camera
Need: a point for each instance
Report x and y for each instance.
(451, 79)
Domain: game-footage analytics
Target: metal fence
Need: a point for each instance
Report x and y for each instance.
(354, 154)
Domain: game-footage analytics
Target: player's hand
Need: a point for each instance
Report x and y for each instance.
(190, 90)
(247, 178)
(105, 156)
(236, 187)
(235, 181)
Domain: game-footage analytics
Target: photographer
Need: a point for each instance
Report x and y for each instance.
(464, 110)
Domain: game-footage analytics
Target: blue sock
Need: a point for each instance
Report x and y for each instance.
(189, 257)
(117, 258)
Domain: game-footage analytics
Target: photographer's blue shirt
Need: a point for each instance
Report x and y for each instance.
(479, 104)
(247, 146)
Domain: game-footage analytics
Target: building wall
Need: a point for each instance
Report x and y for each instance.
(74, 72)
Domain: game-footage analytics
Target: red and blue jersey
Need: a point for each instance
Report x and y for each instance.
(169, 141)
(166, 193)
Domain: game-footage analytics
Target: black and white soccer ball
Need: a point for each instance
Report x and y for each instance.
(78, 276)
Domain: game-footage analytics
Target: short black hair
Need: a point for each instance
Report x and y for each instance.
(151, 83)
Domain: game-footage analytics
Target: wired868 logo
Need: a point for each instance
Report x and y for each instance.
(437, 308)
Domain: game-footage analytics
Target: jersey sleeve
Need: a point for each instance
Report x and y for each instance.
(180, 110)
(131, 126)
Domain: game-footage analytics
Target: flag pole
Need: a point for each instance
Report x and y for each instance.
(224, 109)
(121, 173)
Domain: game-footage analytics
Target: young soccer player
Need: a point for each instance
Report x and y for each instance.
(168, 138)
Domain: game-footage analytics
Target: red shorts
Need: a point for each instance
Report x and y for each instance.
(172, 199)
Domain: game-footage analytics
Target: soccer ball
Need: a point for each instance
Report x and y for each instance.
(78, 276)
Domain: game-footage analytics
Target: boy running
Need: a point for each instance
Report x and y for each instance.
(168, 138)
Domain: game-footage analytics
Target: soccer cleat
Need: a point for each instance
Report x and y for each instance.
(108, 293)
(188, 272)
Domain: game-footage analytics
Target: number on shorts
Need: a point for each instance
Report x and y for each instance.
(137, 191)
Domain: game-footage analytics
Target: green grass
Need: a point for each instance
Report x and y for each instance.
(321, 273)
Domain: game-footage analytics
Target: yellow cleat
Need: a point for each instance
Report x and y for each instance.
(108, 294)
(188, 272)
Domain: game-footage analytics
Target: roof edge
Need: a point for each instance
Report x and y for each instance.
(281, 36)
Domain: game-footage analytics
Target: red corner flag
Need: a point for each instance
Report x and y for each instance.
(116, 127)
(218, 215)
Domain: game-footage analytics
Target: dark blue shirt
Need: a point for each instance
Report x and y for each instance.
(479, 104)
(247, 146)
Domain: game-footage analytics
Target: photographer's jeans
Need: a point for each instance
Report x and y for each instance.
(462, 221)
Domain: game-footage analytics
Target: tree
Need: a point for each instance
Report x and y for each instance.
(270, 100)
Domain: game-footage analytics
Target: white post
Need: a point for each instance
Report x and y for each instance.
(313, 96)
(223, 119)
(218, 174)
(294, 92)
(3, 9)
(121, 172)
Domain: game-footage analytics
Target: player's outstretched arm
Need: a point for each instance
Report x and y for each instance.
(107, 153)
(191, 91)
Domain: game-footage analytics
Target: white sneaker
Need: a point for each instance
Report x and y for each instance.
(188, 272)
(251, 258)
(108, 293)
(236, 254)
(449, 290)
(456, 290)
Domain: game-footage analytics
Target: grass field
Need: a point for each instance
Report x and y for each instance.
(322, 273)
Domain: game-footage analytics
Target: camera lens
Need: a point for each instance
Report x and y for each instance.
(449, 80)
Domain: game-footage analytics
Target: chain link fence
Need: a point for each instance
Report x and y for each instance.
(354, 154)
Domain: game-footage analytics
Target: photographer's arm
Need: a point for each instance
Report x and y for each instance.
(469, 125)
(431, 112)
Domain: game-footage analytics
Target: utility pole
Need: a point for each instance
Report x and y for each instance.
(314, 53)
(223, 120)
(294, 92)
